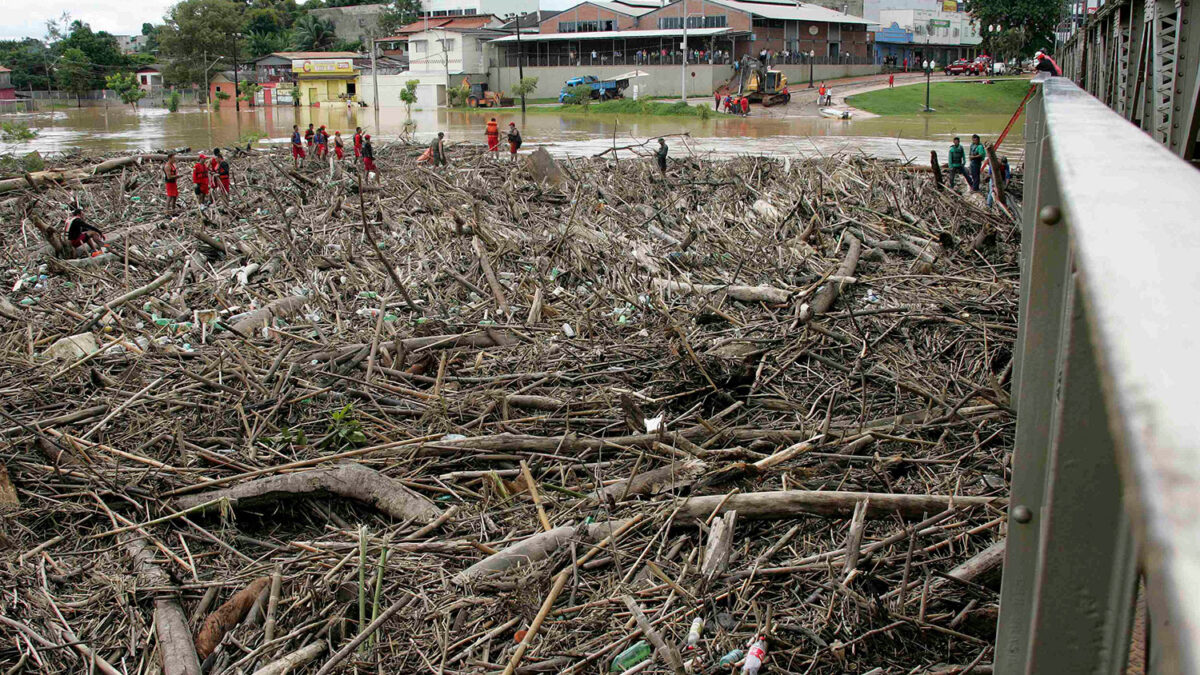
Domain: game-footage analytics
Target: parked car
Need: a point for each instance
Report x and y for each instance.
(965, 67)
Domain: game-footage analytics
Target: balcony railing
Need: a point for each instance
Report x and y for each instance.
(1106, 471)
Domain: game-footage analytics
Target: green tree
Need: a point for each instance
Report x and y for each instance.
(311, 33)
(261, 44)
(29, 60)
(194, 29)
(580, 94)
(399, 13)
(348, 46)
(173, 101)
(525, 87)
(74, 73)
(409, 95)
(247, 90)
(101, 50)
(1037, 18)
(126, 86)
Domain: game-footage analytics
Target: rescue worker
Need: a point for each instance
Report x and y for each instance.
(322, 143)
(358, 134)
(493, 136)
(80, 233)
(171, 178)
(297, 147)
(957, 161)
(214, 163)
(437, 150)
(977, 154)
(339, 148)
(660, 156)
(222, 174)
(309, 135)
(368, 154)
(514, 140)
(821, 94)
(745, 106)
(200, 178)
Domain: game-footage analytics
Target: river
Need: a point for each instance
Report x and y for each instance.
(120, 128)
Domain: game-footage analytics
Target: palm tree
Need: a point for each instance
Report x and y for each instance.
(261, 44)
(312, 34)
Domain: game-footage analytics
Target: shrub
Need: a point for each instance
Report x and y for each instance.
(173, 101)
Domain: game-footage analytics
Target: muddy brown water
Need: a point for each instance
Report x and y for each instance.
(120, 128)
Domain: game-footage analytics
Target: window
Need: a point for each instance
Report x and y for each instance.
(350, 89)
(418, 46)
(144, 80)
(587, 26)
(715, 21)
(670, 23)
(447, 45)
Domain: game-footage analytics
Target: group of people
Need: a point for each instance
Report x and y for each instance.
(492, 133)
(210, 176)
(732, 104)
(971, 163)
(824, 94)
(318, 141)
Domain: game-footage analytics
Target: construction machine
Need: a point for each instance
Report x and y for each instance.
(482, 97)
(761, 84)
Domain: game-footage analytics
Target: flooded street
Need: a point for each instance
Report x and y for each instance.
(120, 128)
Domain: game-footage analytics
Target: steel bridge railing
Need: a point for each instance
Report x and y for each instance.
(1106, 470)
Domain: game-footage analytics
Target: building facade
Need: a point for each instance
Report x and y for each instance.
(451, 55)
(150, 78)
(277, 66)
(354, 23)
(916, 35)
(501, 8)
(326, 80)
(130, 44)
(7, 91)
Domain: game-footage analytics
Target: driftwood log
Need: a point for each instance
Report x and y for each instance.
(178, 654)
(352, 481)
(793, 503)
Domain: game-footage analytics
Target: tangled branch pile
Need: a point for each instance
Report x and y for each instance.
(465, 421)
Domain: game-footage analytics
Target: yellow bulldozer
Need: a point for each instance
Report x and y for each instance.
(761, 84)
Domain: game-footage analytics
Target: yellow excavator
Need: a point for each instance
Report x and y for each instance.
(761, 84)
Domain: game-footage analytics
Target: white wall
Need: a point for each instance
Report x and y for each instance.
(497, 7)
(917, 20)
(447, 52)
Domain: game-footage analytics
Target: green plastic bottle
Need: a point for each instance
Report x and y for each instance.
(640, 651)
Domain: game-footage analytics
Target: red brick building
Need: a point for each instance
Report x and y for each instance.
(7, 91)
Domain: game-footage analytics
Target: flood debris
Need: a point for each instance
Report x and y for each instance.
(517, 417)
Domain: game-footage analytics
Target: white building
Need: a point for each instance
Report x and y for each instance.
(933, 26)
(500, 8)
(451, 55)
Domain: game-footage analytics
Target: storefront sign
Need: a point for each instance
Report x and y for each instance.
(323, 66)
(949, 5)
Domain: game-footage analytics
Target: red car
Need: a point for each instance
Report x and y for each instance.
(965, 67)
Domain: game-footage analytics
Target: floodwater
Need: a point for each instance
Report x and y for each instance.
(120, 128)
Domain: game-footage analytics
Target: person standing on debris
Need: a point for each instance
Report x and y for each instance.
(171, 177)
(977, 154)
(200, 178)
(80, 233)
(309, 135)
(514, 140)
(957, 161)
(357, 143)
(339, 148)
(368, 154)
(222, 181)
(297, 147)
(437, 150)
(214, 163)
(660, 156)
(493, 136)
(322, 143)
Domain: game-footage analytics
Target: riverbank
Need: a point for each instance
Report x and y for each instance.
(957, 97)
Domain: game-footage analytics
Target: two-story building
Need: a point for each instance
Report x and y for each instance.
(277, 66)
(916, 35)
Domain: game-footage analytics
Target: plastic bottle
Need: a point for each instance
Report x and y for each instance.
(693, 636)
(731, 658)
(640, 651)
(755, 655)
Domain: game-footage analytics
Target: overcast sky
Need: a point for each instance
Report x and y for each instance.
(119, 17)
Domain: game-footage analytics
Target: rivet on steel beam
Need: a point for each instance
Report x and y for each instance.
(1050, 215)
(1022, 514)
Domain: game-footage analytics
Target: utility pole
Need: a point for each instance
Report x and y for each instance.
(683, 68)
(375, 74)
(237, 100)
(520, 64)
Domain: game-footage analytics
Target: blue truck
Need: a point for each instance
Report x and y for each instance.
(601, 89)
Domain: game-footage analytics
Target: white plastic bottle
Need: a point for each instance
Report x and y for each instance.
(755, 655)
(693, 636)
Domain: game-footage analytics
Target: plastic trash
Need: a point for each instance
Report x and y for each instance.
(638, 652)
(755, 655)
(567, 330)
(693, 636)
(731, 658)
(872, 296)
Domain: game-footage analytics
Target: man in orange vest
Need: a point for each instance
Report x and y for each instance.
(200, 178)
(821, 94)
(493, 136)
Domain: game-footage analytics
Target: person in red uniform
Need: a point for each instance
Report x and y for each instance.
(493, 136)
(171, 177)
(222, 179)
(514, 140)
(214, 163)
(297, 148)
(339, 148)
(368, 154)
(322, 142)
(80, 233)
(357, 143)
(309, 134)
(745, 106)
(200, 178)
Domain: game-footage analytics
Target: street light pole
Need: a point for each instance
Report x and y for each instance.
(683, 67)
(237, 100)
(929, 66)
(521, 63)
(812, 55)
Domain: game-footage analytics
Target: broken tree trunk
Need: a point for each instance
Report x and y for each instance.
(720, 545)
(825, 298)
(651, 482)
(282, 308)
(352, 481)
(179, 655)
(538, 547)
(742, 293)
(792, 503)
(227, 617)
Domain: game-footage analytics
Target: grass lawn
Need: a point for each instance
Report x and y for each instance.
(628, 106)
(963, 98)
